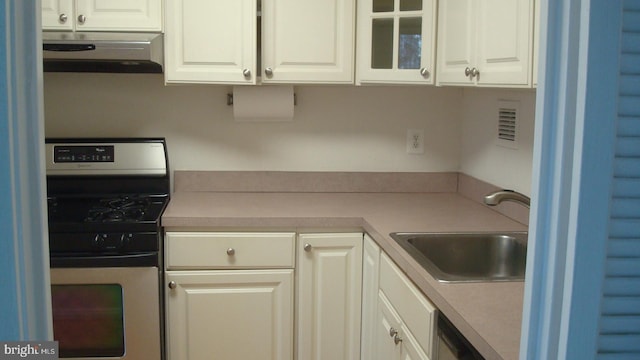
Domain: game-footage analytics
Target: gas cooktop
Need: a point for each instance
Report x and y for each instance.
(105, 199)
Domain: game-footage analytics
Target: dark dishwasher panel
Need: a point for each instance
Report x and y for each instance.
(452, 345)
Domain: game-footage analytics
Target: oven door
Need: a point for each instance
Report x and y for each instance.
(106, 313)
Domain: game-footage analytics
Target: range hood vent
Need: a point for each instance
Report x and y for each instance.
(102, 52)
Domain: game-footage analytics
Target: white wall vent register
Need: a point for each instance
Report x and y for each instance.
(507, 128)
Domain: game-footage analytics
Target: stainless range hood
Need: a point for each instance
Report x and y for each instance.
(102, 52)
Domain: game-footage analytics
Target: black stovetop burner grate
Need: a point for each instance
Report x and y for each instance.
(111, 209)
(120, 209)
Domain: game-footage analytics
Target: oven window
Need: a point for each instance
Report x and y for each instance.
(88, 320)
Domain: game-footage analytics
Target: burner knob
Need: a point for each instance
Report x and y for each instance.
(99, 241)
(125, 240)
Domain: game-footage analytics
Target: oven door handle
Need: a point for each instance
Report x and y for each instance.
(129, 260)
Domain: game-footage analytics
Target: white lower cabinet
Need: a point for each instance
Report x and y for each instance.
(227, 314)
(233, 295)
(227, 305)
(370, 266)
(393, 339)
(328, 288)
(278, 296)
(405, 320)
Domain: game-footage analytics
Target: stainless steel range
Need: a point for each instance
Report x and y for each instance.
(105, 200)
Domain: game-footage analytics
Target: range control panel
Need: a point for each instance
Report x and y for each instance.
(91, 157)
(83, 154)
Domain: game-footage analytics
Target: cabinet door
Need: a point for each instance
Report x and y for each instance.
(329, 296)
(505, 42)
(396, 41)
(415, 310)
(210, 41)
(411, 349)
(230, 315)
(370, 266)
(387, 322)
(456, 41)
(57, 14)
(130, 15)
(308, 41)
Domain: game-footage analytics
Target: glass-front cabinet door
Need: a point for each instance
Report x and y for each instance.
(396, 41)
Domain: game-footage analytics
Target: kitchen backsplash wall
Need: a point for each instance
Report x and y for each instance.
(335, 128)
(481, 157)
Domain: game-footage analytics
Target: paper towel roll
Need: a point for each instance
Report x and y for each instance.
(263, 103)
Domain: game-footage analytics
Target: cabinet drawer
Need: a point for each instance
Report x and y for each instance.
(203, 250)
(413, 307)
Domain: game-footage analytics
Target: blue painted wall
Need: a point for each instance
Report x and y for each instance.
(9, 308)
(25, 300)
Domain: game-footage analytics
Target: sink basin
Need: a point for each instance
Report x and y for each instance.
(468, 257)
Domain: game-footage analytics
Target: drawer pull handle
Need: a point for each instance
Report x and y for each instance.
(393, 332)
(231, 251)
(397, 339)
(172, 285)
(307, 247)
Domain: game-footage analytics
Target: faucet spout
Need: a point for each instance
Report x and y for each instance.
(496, 197)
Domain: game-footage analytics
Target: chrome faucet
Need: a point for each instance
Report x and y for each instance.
(496, 197)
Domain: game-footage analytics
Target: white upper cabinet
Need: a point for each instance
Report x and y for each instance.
(308, 41)
(102, 15)
(217, 41)
(211, 41)
(57, 14)
(485, 42)
(396, 41)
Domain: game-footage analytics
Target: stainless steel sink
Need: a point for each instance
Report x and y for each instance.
(468, 257)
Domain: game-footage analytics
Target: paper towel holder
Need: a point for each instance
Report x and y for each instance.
(230, 99)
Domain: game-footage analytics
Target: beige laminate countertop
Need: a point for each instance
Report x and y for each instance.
(488, 314)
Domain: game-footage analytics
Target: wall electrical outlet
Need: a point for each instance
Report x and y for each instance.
(415, 141)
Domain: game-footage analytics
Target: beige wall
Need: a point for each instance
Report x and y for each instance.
(335, 128)
(480, 156)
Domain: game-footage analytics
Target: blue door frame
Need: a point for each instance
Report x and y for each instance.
(574, 151)
(24, 262)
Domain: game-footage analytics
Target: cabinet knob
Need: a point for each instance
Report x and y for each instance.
(231, 251)
(268, 71)
(467, 71)
(82, 19)
(425, 73)
(393, 332)
(307, 247)
(172, 285)
(246, 73)
(397, 339)
(475, 72)
(63, 18)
